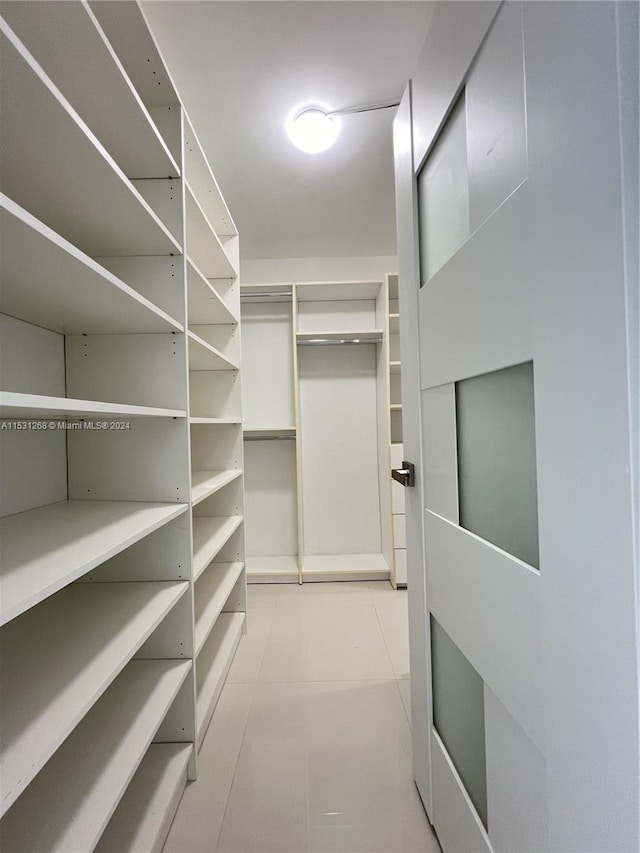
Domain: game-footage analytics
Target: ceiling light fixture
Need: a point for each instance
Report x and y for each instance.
(314, 130)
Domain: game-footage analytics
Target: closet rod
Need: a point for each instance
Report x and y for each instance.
(266, 294)
(269, 438)
(325, 342)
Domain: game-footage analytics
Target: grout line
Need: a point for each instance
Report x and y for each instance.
(404, 707)
(235, 767)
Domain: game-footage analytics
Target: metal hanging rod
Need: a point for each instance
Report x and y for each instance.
(325, 342)
(266, 294)
(269, 438)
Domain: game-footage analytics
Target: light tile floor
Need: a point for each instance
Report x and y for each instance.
(309, 748)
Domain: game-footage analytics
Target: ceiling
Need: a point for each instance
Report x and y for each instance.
(241, 67)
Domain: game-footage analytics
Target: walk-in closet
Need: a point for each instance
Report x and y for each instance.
(322, 407)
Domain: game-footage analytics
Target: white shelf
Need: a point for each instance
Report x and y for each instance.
(394, 367)
(210, 533)
(45, 549)
(211, 593)
(396, 407)
(272, 569)
(353, 336)
(214, 421)
(269, 432)
(204, 248)
(341, 291)
(345, 567)
(69, 803)
(204, 303)
(201, 179)
(127, 30)
(213, 666)
(202, 356)
(48, 282)
(143, 818)
(72, 645)
(64, 176)
(15, 405)
(206, 483)
(82, 64)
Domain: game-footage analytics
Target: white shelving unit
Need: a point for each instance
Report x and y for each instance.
(316, 403)
(122, 582)
(399, 573)
(269, 405)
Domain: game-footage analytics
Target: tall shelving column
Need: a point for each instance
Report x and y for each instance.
(270, 434)
(108, 686)
(97, 665)
(399, 573)
(213, 310)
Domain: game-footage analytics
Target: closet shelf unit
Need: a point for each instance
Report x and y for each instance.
(316, 358)
(396, 455)
(120, 434)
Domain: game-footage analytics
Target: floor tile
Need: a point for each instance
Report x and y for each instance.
(394, 622)
(198, 820)
(404, 686)
(262, 596)
(360, 587)
(325, 767)
(248, 658)
(315, 639)
(382, 591)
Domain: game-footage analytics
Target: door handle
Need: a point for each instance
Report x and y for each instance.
(406, 475)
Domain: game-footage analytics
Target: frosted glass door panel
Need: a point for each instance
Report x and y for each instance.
(458, 714)
(497, 459)
(443, 195)
(341, 506)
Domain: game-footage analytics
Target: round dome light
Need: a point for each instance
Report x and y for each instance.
(313, 131)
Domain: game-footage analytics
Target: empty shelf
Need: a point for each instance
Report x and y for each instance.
(212, 590)
(48, 282)
(142, 820)
(201, 179)
(210, 533)
(213, 665)
(349, 336)
(44, 549)
(205, 249)
(72, 646)
(15, 405)
(55, 167)
(345, 566)
(396, 407)
(232, 421)
(256, 433)
(69, 803)
(394, 367)
(82, 64)
(204, 303)
(128, 32)
(280, 568)
(202, 356)
(206, 483)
